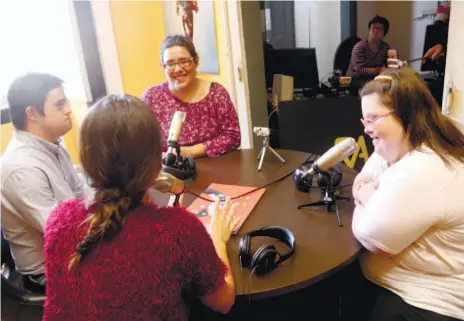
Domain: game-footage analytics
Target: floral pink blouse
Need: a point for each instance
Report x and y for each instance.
(211, 121)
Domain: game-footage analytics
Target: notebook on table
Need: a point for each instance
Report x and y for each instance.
(203, 209)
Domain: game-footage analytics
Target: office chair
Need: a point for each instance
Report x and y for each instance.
(343, 54)
(12, 285)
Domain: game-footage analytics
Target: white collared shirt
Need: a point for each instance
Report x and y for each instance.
(36, 175)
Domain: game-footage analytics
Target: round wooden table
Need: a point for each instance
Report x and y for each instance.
(322, 247)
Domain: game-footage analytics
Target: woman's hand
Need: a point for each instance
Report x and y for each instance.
(364, 192)
(434, 52)
(223, 222)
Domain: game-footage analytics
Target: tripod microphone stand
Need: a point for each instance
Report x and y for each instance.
(330, 198)
(266, 145)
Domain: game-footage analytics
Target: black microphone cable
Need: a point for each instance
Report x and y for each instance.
(249, 284)
(253, 190)
(186, 190)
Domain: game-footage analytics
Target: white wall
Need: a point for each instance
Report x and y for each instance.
(406, 35)
(454, 76)
(418, 30)
(317, 25)
(365, 11)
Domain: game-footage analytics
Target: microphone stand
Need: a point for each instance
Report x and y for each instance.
(175, 145)
(330, 198)
(176, 200)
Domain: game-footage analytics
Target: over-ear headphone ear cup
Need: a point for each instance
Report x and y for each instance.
(302, 179)
(244, 250)
(189, 163)
(264, 259)
(169, 159)
(335, 174)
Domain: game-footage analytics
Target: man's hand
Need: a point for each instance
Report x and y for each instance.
(433, 53)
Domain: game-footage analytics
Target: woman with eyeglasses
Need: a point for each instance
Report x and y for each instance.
(369, 57)
(409, 213)
(211, 127)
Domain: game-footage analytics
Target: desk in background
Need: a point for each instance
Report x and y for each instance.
(433, 82)
(329, 89)
(313, 125)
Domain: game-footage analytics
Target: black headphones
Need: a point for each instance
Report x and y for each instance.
(183, 168)
(264, 259)
(304, 181)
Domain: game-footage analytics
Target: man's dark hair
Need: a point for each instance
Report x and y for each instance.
(381, 20)
(30, 89)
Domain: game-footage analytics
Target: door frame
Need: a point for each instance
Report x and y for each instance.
(237, 67)
(106, 42)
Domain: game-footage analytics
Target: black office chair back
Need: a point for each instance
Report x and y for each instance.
(343, 54)
(13, 287)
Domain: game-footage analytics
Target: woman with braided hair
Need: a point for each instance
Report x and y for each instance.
(118, 256)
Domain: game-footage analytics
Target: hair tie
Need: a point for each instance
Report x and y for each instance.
(387, 77)
(110, 195)
(82, 248)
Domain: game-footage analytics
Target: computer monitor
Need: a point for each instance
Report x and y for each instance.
(300, 63)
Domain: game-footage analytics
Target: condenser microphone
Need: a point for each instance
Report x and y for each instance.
(177, 124)
(334, 156)
(180, 167)
(167, 183)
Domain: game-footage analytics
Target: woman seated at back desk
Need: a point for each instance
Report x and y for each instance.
(369, 57)
(211, 127)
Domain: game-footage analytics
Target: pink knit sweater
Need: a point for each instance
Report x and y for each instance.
(162, 258)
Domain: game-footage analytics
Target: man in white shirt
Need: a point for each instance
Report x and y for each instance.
(36, 171)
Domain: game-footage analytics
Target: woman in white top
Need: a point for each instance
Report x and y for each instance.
(410, 202)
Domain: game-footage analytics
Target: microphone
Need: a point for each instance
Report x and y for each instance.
(177, 124)
(167, 183)
(333, 156)
(182, 168)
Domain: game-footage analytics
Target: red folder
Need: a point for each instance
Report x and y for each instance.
(203, 209)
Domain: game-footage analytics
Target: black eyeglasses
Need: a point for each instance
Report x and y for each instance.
(185, 63)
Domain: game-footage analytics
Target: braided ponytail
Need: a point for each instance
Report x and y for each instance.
(120, 145)
(111, 205)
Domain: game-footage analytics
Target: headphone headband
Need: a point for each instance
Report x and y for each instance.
(280, 233)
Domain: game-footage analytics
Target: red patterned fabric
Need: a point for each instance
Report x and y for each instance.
(161, 257)
(211, 121)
